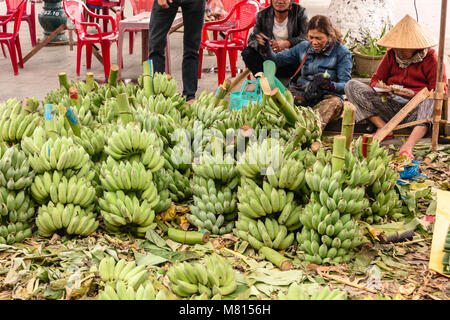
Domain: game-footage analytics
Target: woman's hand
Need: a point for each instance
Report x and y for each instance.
(164, 3)
(280, 45)
(405, 92)
(261, 38)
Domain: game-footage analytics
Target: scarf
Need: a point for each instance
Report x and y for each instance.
(416, 58)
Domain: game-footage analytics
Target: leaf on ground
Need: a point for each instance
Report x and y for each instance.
(364, 258)
(173, 244)
(280, 278)
(148, 259)
(155, 238)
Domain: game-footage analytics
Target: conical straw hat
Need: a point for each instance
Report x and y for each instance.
(407, 34)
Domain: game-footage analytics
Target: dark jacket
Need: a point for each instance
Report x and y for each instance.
(297, 25)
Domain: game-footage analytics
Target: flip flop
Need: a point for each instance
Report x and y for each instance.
(406, 153)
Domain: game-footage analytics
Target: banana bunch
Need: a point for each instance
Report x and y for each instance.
(296, 292)
(126, 212)
(268, 233)
(217, 277)
(308, 127)
(162, 180)
(215, 224)
(446, 256)
(259, 156)
(216, 168)
(73, 219)
(256, 202)
(159, 105)
(164, 84)
(15, 206)
(177, 158)
(251, 115)
(386, 203)
(164, 125)
(290, 175)
(55, 186)
(128, 273)
(121, 291)
(59, 154)
(216, 199)
(55, 96)
(233, 121)
(179, 185)
(92, 140)
(124, 175)
(206, 111)
(108, 111)
(16, 122)
(131, 141)
(11, 233)
(15, 171)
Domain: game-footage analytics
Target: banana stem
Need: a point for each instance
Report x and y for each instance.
(276, 258)
(348, 123)
(63, 82)
(147, 79)
(365, 146)
(113, 75)
(90, 81)
(338, 160)
(187, 237)
(284, 106)
(124, 108)
(73, 93)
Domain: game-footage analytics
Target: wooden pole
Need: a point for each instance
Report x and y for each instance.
(413, 103)
(439, 84)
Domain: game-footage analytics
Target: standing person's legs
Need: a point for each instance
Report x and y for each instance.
(193, 17)
(160, 22)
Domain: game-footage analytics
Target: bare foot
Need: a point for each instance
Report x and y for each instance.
(189, 102)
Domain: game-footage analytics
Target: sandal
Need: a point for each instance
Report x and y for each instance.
(406, 153)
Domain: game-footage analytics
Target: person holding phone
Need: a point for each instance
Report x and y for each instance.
(407, 67)
(283, 24)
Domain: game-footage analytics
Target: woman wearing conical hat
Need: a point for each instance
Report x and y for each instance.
(407, 67)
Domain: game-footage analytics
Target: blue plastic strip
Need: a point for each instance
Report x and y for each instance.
(48, 111)
(71, 116)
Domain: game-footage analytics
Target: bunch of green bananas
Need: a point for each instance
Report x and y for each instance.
(210, 167)
(256, 202)
(130, 141)
(162, 180)
(159, 105)
(16, 122)
(59, 154)
(290, 175)
(122, 291)
(15, 171)
(59, 189)
(125, 175)
(268, 233)
(73, 219)
(107, 111)
(259, 156)
(129, 273)
(92, 140)
(218, 277)
(164, 84)
(204, 110)
(446, 256)
(308, 127)
(15, 205)
(178, 158)
(296, 292)
(233, 121)
(179, 185)
(163, 124)
(126, 212)
(11, 233)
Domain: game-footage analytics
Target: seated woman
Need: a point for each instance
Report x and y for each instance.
(410, 63)
(325, 68)
(285, 24)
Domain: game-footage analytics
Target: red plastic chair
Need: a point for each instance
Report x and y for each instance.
(138, 7)
(75, 11)
(103, 7)
(30, 18)
(228, 25)
(12, 39)
(235, 39)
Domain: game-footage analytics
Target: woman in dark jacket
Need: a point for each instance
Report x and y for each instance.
(284, 23)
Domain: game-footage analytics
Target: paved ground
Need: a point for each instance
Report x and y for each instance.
(40, 72)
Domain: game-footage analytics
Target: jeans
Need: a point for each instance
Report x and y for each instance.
(160, 22)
